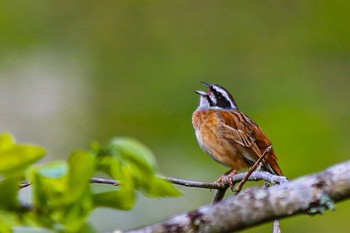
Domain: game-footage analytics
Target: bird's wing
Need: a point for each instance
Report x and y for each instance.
(241, 138)
(242, 130)
(245, 132)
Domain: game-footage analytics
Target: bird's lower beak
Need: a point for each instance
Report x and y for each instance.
(202, 93)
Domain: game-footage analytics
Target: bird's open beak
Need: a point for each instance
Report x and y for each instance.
(202, 93)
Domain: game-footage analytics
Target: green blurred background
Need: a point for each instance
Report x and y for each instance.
(76, 71)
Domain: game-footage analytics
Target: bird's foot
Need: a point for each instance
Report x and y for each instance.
(227, 178)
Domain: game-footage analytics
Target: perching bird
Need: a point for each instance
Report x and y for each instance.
(228, 135)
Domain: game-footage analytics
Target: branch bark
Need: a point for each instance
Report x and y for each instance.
(310, 194)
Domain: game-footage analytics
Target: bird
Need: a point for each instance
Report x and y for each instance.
(228, 135)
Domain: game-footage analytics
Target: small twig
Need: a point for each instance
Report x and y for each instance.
(96, 180)
(24, 184)
(219, 195)
(195, 184)
(255, 176)
(251, 170)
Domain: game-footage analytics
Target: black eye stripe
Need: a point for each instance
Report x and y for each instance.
(216, 92)
(220, 97)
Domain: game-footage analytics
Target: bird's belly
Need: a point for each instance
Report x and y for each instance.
(221, 150)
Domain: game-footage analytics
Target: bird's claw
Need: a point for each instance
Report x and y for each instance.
(227, 179)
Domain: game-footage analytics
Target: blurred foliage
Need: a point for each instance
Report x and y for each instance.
(62, 197)
(75, 70)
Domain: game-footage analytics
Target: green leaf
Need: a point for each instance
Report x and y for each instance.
(15, 158)
(48, 186)
(62, 193)
(135, 152)
(81, 169)
(124, 198)
(115, 199)
(159, 187)
(78, 199)
(7, 220)
(133, 164)
(31, 230)
(6, 141)
(113, 168)
(76, 213)
(87, 228)
(8, 194)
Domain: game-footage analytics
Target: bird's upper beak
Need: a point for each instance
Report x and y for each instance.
(202, 93)
(206, 84)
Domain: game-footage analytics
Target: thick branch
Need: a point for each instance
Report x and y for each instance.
(309, 194)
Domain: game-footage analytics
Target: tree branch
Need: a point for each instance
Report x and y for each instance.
(255, 176)
(310, 194)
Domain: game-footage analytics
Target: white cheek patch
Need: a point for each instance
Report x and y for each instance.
(213, 98)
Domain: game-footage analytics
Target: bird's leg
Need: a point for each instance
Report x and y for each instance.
(220, 193)
(228, 175)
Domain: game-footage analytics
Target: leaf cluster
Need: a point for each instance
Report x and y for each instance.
(62, 196)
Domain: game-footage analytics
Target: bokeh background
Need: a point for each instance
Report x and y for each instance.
(76, 71)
